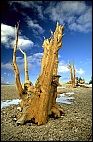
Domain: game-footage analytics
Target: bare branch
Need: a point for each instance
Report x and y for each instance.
(25, 65)
(16, 70)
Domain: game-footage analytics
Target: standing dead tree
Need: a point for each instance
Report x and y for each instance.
(39, 101)
(72, 74)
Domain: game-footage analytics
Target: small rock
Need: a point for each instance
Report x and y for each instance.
(19, 108)
(14, 119)
(50, 139)
(28, 124)
(3, 112)
(76, 130)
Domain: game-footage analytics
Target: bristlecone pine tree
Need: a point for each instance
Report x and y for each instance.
(72, 74)
(38, 102)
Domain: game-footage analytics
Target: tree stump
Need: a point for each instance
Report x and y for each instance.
(39, 102)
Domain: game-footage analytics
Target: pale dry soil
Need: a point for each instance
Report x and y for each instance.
(75, 125)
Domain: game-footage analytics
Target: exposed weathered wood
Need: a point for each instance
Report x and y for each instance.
(74, 76)
(16, 70)
(25, 65)
(40, 100)
(71, 73)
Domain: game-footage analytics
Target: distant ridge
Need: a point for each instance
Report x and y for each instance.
(6, 84)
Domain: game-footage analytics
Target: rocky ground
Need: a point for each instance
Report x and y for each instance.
(75, 125)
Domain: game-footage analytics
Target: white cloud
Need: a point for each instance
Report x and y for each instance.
(7, 38)
(23, 3)
(62, 67)
(7, 32)
(34, 25)
(4, 39)
(5, 73)
(5, 79)
(71, 7)
(38, 55)
(7, 66)
(33, 61)
(83, 23)
(37, 6)
(24, 44)
(2, 79)
(85, 17)
(76, 14)
(80, 71)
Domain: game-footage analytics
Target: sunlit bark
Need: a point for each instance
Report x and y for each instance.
(40, 100)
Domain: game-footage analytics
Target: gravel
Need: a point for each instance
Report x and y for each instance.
(75, 125)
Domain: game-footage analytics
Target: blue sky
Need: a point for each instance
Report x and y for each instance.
(37, 19)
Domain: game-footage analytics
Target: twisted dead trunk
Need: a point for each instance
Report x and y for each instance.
(42, 101)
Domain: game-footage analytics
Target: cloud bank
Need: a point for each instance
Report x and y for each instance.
(63, 68)
(75, 14)
(8, 36)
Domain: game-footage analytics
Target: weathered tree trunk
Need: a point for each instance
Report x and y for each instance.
(25, 65)
(71, 73)
(42, 101)
(74, 76)
(16, 70)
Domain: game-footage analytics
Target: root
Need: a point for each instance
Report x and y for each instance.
(56, 111)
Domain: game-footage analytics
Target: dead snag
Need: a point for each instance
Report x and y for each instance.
(71, 73)
(16, 70)
(74, 76)
(42, 101)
